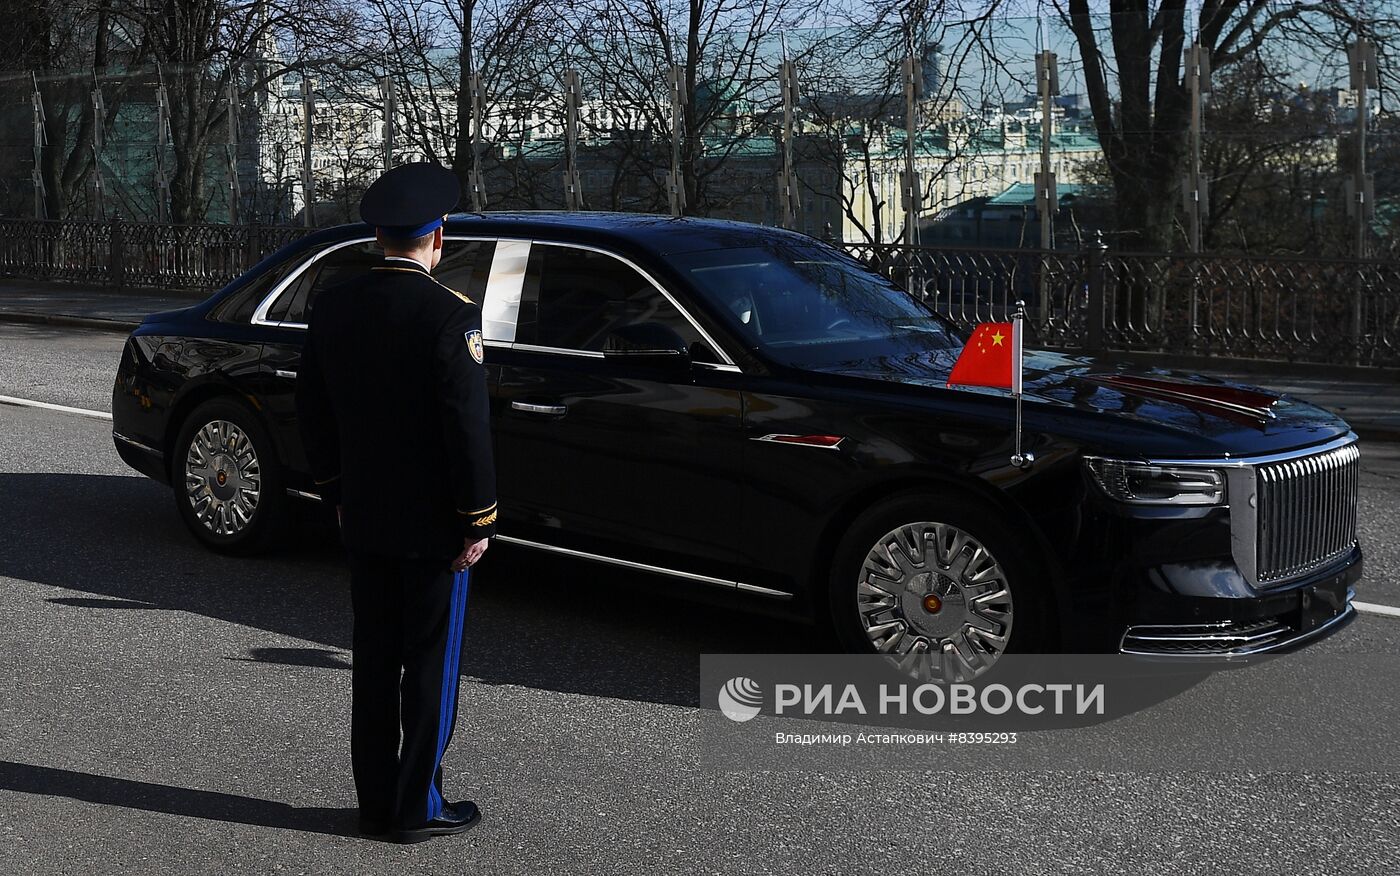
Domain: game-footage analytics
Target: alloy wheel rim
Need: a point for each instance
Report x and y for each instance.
(934, 597)
(223, 479)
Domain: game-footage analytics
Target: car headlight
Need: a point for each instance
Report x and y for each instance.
(1145, 483)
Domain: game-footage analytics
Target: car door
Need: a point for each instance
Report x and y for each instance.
(606, 456)
(281, 322)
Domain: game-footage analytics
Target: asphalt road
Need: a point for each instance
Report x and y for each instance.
(166, 710)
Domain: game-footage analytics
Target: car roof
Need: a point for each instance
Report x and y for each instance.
(654, 233)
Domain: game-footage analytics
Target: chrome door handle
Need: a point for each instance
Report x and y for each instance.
(280, 372)
(552, 410)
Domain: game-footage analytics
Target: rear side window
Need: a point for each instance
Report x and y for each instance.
(574, 298)
(347, 262)
(465, 266)
(239, 306)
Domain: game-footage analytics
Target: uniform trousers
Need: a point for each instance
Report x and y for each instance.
(409, 614)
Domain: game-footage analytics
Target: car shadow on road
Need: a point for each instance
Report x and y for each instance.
(534, 620)
(172, 800)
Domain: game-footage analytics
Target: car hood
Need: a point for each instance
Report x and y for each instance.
(1188, 414)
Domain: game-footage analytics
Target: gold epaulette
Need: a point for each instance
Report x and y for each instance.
(425, 274)
(450, 289)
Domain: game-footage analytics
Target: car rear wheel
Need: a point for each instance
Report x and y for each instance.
(227, 485)
(935, 583)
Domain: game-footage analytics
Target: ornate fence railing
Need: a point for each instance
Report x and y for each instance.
(136, 254)
(1306, 310)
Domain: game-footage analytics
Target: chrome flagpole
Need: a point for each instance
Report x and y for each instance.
(1019, 458)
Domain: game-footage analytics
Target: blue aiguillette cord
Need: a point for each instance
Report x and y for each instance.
(464, 578)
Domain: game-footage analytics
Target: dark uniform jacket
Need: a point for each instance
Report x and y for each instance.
(393, 410)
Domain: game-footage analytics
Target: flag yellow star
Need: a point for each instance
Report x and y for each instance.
(998, 338)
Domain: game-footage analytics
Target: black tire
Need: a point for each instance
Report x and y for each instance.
(239, 527)
(1031, 623)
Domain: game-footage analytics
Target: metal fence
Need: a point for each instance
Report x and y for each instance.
(1305, 310)
(145, 255)
(1330, 311)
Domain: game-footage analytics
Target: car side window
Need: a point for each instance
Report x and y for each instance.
(294, 304)
(574, 298)
(239, 306)
(466, 266)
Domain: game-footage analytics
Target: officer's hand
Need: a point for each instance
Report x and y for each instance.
(472, 550)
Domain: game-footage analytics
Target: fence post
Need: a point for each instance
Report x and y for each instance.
(251, 250)
(116, 253)
(1093, 326)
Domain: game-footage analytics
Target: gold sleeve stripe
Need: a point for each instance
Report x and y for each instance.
(485, 521)
(479, 510)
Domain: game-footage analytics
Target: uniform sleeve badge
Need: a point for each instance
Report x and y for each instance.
(475, 345)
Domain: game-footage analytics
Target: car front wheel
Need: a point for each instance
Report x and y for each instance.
(934, 581)
(227, 486)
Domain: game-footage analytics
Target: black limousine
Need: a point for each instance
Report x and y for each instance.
(750, 409)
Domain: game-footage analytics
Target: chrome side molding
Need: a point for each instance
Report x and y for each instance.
(645, 567)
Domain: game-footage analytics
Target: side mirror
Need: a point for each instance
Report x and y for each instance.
(649, 343)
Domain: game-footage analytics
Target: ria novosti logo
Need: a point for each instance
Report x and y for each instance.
(740, 699)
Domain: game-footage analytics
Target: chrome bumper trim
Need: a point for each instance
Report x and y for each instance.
(1279, 637)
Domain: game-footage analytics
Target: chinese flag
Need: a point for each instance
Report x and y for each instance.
(990, 358)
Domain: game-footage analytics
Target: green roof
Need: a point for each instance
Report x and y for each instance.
(1023, 194)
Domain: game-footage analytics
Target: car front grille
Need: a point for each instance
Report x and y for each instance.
(1307, 513)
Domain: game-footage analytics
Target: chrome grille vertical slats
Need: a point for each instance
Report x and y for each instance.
(1351, 482)
(1326, 512)
(1311, 493)
(1275, 512)
(1295, 512)
(1334, 502)
(1307, 512)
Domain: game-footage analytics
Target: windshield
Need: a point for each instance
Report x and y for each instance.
(809, 305)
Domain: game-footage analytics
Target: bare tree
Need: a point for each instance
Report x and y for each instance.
(1132, 65)
(67, 48)
(1271, 158)
(727, 52)
(855, 111)
(432, 48)
(202, 45)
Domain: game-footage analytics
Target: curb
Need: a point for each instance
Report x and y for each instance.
(24, 317)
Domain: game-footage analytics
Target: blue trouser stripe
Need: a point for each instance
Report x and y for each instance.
(451, 662)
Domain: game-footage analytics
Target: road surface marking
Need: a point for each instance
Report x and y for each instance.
(30, 403)
(1387, 610)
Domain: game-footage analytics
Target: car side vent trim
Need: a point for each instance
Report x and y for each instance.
(821, 442)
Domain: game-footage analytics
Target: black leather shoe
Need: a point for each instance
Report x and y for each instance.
(455, 818)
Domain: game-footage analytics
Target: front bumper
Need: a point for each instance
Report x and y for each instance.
(1229, 639)
(1270, 623)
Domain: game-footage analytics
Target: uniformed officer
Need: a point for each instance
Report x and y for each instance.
(391, 399)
